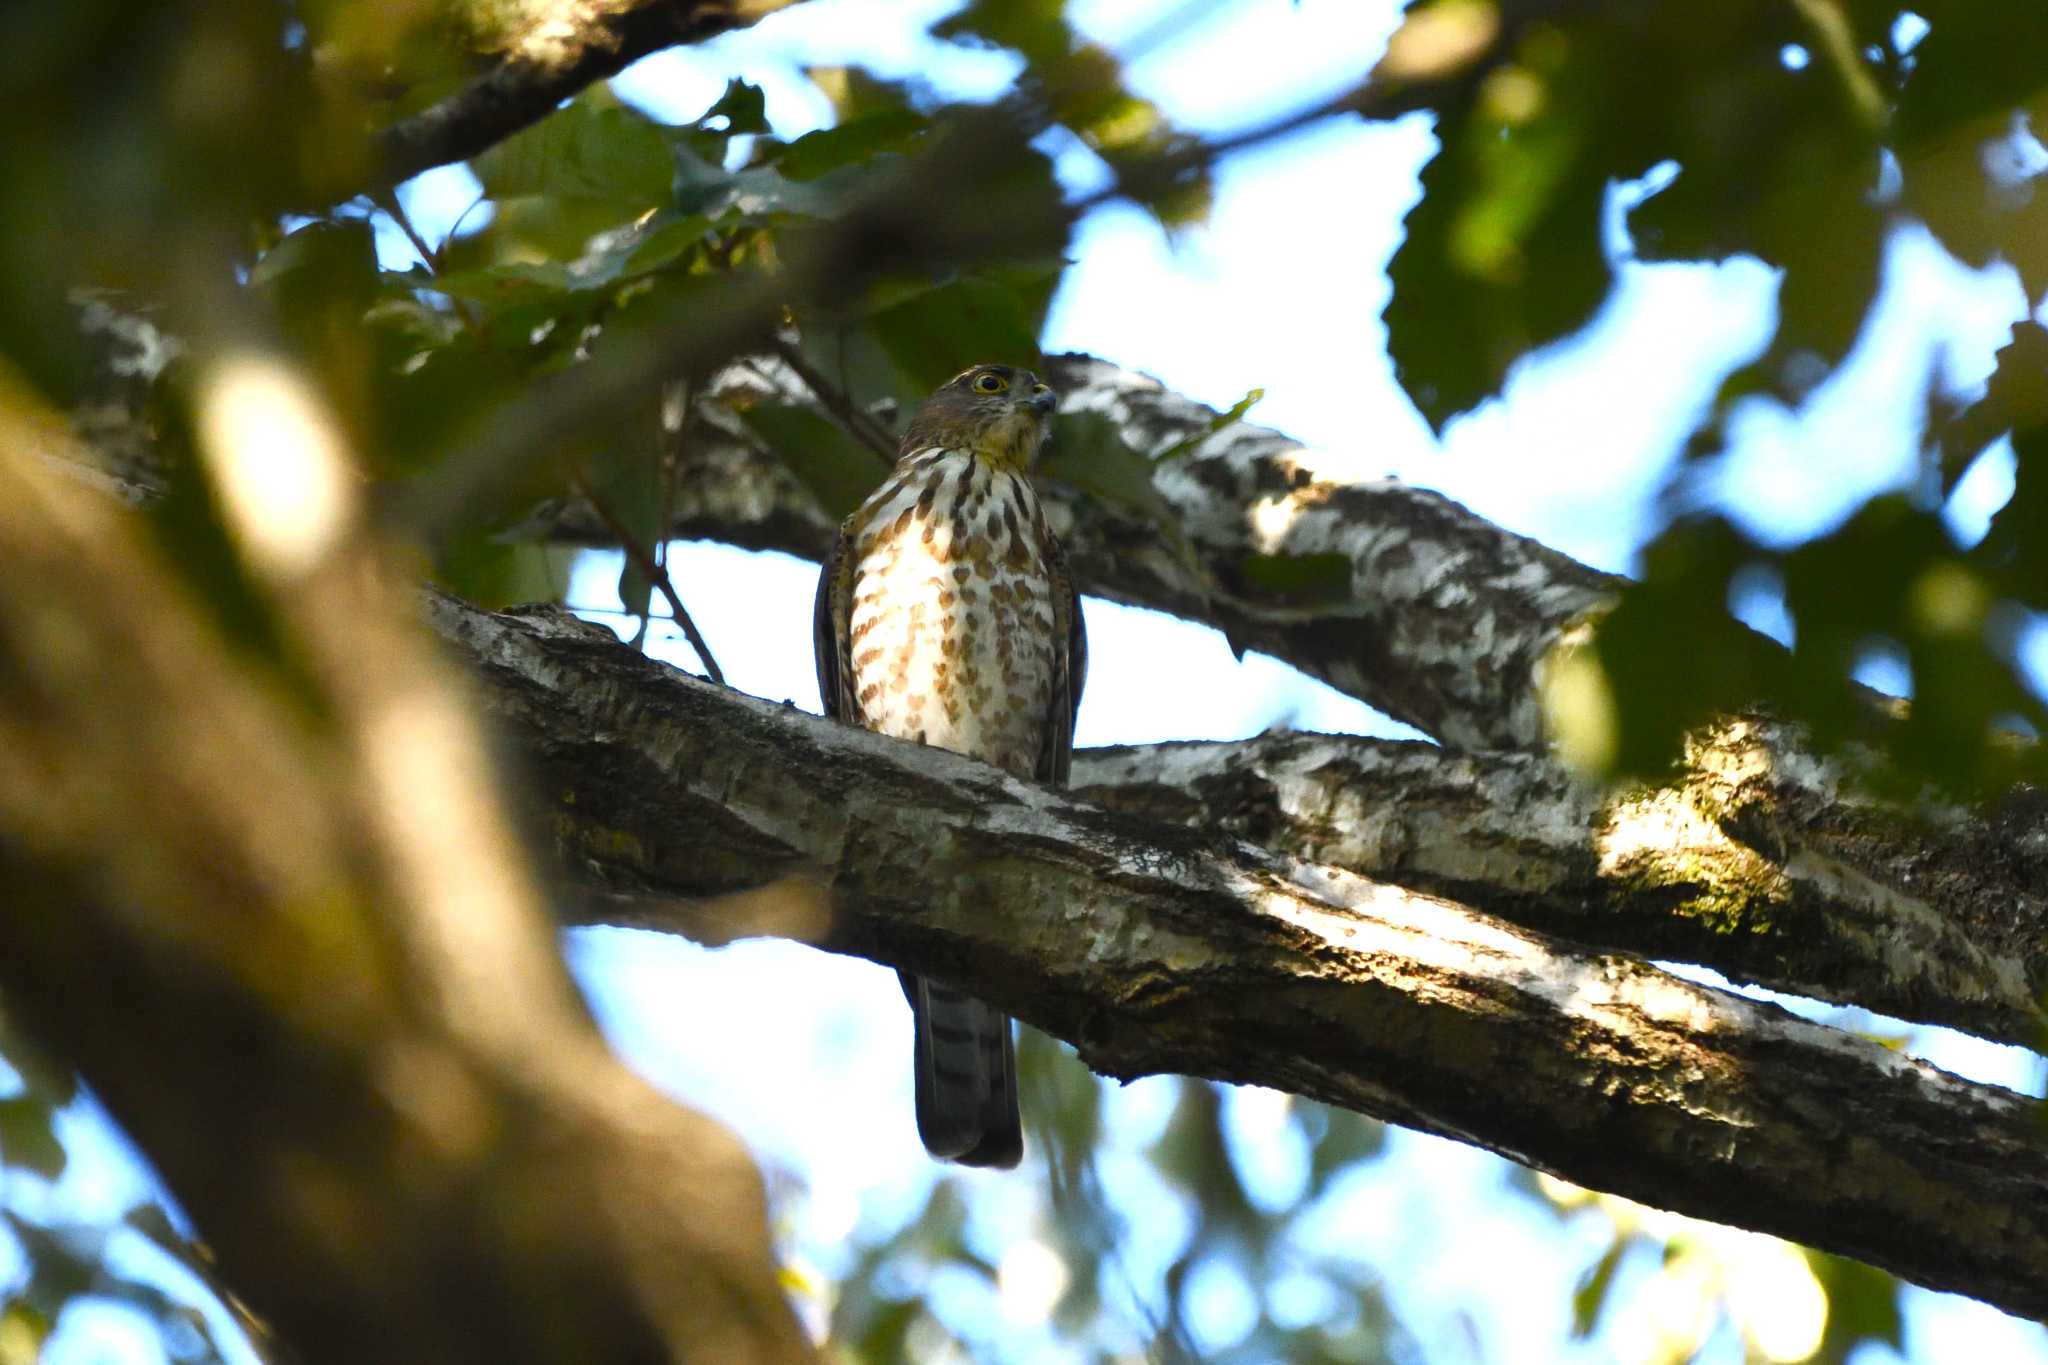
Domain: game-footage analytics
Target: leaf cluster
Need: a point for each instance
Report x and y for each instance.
(1806, 136)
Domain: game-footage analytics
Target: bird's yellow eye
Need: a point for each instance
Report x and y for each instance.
(990, 383)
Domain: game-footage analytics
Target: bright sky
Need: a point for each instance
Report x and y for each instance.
(1282, 290)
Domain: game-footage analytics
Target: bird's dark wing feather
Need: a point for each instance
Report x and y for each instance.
(1069, 670)
(831, 618)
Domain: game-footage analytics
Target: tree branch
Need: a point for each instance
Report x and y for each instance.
(1154, 948)
(1758, 858)
(261, 893)
(551, 60)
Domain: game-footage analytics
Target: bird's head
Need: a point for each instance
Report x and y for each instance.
(997, 411)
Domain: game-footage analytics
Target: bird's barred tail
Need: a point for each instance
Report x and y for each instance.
(966, 1077)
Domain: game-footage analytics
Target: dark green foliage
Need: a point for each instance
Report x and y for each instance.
(1771, 124)
(72, 1258)
(837, 470)
(1863, 1307)
(1304, 580)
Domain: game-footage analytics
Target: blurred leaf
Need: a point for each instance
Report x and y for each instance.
(605, 260)
(1589, 1298)
(1088, 451)
(849, 144)
(629, 483)
(1193, 1154)
(970, 320)
(1975, 58)
(1301, 580)
(58, 1085)
(320, 259)
(742, 107)
(1346, 1140)
(1503, 251)
(1083, 87)
(492, 572)
(22, 1333)
(592, 148)
(754, 193)
(28, 1136)
(1863, 1307)
(1036, 28)
(838, 470)
(1219, 422)
(1679, 611)
(320, 280)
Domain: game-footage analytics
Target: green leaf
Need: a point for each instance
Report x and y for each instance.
(742, 107)
(1299, 580)
(1036, 28)
(1235, 414)
(1589, 1299)
(1087, 450)
(1679, 610)
(1346, 1139)
(1975, 59)
(593, 148)
(939, 332)
(1503, 252)
(607, 260)
(28, 1136)
(1863, 1307)
(482, 567)
(838, 470)
(323, 257)
(755, 194)
(851, 143)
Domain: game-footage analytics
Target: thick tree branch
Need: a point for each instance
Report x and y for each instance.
(1154, 948)
(567, 48)
(1758, 858)
(259, 892)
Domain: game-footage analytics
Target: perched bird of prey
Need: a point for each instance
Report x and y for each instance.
(945, 615)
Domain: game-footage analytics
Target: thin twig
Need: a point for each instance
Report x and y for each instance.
(656, 574)
(387, 200)
(859, 424)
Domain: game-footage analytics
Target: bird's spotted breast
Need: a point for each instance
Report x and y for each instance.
(952, 622)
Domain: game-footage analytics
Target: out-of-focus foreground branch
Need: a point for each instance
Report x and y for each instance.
(564, 49)
(1152, 947)
(261, 894)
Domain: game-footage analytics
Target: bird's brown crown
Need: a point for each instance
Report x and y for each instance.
(999, 412)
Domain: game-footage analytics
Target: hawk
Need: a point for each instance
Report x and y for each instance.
(945, 615)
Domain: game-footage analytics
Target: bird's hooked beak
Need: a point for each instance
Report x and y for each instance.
(1042, 401)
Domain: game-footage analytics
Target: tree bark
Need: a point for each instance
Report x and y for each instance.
(261, 895)
(1758, 858)
(1154, 947)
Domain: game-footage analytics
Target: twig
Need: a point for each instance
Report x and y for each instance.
(656, 574)
(859, 424)
(387, 200)
(1836, 42)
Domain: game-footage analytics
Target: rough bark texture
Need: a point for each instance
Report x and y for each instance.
(259, 893)
(1758, 858)
(1152, 947)
(1445, 624)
